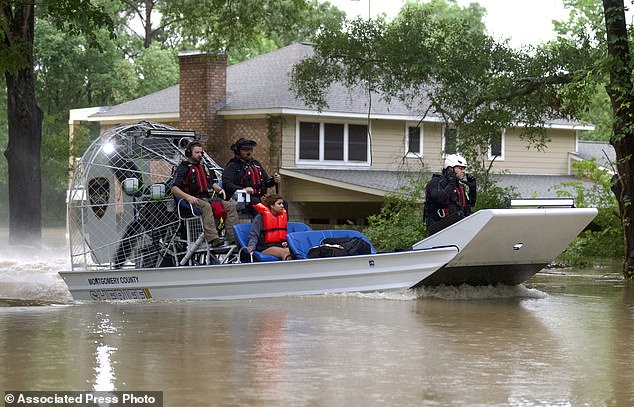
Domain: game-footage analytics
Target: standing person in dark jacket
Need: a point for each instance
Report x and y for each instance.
(245, 172)
(449, 196)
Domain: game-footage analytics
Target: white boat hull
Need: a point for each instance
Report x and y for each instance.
(374, 272)
(506, 246)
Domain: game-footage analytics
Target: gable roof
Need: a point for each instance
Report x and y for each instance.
(163, 103)
(601, 151)
(261, 85)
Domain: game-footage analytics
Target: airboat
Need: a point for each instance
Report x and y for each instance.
(131, 240)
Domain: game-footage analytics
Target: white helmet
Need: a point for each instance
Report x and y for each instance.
(455, 159)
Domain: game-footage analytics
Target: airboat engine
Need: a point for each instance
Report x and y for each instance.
(120, 209)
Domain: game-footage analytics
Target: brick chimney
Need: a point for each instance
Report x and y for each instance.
(203, 87)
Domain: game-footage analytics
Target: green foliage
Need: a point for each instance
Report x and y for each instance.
(78, 18)
(605, 237)
(456, 70)
(54, 169)
(241, 25)
(400, 222)
(157, 69)
(491, 195)
(71, 73)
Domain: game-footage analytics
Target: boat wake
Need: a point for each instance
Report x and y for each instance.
(468, 292)
(30, 276)
(462, 292)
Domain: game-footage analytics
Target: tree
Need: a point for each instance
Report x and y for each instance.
(444, 63)
(23, 153)
(586, 25)
(246, 27)
(620, 88)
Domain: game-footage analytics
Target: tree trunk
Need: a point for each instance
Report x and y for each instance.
(25, 136)
(23, 156)
(621, 91)
(149, 33)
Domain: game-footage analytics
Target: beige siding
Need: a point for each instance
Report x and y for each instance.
(388, 149)
(298, 190)
(288, 142)
(553, 160)
(432, 145)
(388, 144)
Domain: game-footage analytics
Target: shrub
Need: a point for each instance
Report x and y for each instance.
(400, 223)
(604, 236)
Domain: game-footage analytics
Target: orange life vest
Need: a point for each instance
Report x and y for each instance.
(275, 227)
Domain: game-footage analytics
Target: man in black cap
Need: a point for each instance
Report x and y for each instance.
(245, 172)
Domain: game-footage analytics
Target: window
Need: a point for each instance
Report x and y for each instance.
(496, 145)
(309, 142)
(332, 143)
(450, 140)
(414, 141)
(357, 143)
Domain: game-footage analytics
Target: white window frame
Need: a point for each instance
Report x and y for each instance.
(331, 163)
(502, 142)
(408, 153)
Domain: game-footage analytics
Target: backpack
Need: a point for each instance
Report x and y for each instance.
(339, 246)
(353, 245)
(326, 250)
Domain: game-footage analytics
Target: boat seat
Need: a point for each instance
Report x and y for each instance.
(242, 236)
(301, 242)
(187, 210)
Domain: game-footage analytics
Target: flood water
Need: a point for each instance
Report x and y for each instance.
(563, 338)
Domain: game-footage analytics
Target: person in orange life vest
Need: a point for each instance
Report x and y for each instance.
(245, 172)
(269, 228)
(453, 192)
(193, 182)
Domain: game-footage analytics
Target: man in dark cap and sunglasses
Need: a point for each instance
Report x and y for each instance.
(245, 172)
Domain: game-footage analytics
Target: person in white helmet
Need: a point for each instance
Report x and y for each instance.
(449, 196)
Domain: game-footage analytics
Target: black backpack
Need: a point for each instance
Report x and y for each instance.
(326, 250)
(340, 246)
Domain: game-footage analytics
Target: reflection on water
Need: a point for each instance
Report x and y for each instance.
(104, 372)
(564, 338)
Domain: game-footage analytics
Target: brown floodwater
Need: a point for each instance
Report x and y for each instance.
(563, 338)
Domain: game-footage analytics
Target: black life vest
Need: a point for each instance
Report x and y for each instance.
(459, 205)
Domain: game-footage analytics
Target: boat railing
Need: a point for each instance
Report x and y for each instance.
(542, 203)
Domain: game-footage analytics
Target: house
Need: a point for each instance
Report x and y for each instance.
(333, 172)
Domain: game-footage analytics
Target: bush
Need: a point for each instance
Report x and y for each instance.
(491, 195)
(400, 223)
(604, 236)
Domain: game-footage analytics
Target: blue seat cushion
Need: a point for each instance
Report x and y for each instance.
(242, 236)
(298, 227)
(301, 242)
(187, 210)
